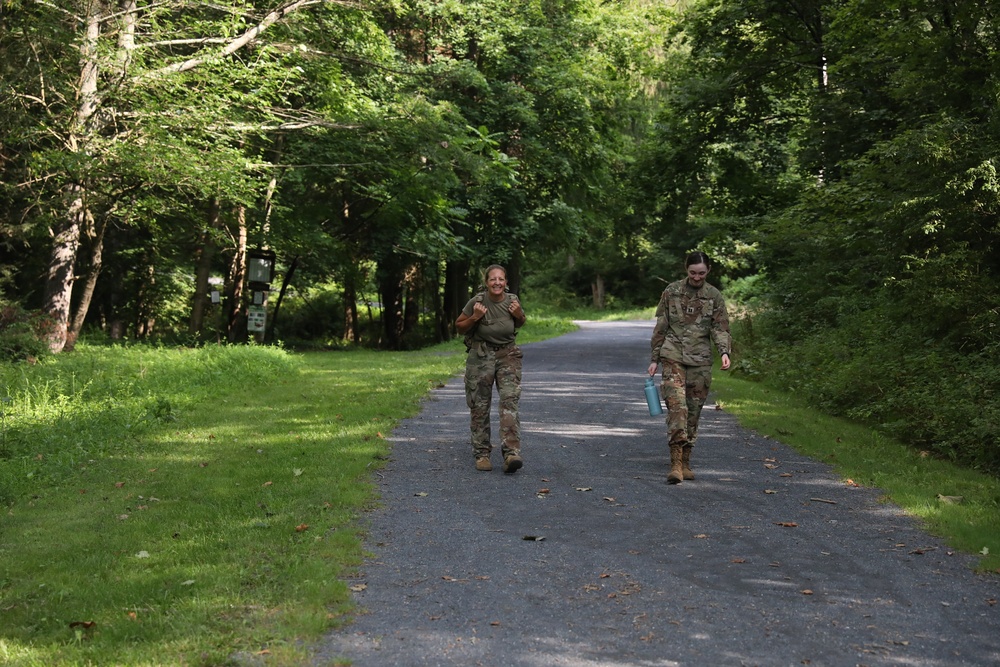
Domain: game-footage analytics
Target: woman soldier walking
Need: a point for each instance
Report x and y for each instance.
(690, 316)
(490, 321)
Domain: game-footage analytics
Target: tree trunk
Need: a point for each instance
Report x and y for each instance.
(89, 285)
(441, 330)
(59, 284)
(597, 291)
(236, 322)
(514, 272)
(352, 328)
(66, 237)
(144, 321)
(456, 291)
(203, 269)
(391, 295)
(89, 100)
(412, 281)
(285, 282)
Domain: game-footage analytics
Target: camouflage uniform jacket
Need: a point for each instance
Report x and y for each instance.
(687, 322)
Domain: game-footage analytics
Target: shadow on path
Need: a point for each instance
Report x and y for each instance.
(767, 558)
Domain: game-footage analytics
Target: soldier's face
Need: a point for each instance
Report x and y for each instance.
(496, 281)
(697, 274)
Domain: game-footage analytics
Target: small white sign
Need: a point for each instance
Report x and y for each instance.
(256, 318)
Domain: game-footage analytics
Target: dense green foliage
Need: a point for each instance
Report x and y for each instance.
(836, 157)
(845, 152)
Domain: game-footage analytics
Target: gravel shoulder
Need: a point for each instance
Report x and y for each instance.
(587, 557)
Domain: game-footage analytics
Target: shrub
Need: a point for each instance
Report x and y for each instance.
(23, 334)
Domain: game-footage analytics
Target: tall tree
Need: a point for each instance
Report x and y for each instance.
(176, 96)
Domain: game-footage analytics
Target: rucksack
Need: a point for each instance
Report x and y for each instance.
(471, 333)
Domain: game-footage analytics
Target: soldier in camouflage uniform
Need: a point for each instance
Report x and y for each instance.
(490, 321)
(690, 316)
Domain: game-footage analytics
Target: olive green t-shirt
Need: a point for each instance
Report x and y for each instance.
(497, 326)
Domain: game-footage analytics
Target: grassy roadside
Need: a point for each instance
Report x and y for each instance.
(182, 507)
(960, 505)
(230, 529)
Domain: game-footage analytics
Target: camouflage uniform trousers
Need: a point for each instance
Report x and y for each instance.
(685, 389)
(484, 368)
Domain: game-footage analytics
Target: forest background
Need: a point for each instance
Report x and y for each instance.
(838, 159)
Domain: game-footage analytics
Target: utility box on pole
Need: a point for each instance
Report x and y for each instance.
(260, 273)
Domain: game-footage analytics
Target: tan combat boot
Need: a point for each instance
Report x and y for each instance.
(512, 462)
(676, 475)
(483, 464)
(686, 462)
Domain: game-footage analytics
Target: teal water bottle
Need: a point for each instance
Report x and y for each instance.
(653, 398)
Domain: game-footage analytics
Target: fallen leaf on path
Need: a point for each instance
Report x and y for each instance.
(769, 491)
(357, 588)
(738, 560)
(806, 591)
(421, 494)
(785, 474)
(701, 536)
(851, 482)
(533, 538)
(786, 524)
(584, 488)
(542, 491)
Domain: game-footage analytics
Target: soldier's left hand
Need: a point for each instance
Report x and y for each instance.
(515, 310)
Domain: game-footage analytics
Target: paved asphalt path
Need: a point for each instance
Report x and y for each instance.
(767, 558)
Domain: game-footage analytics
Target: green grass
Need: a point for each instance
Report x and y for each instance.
(911, 479)
(590, 313)
(226, 524)
(182, 507)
